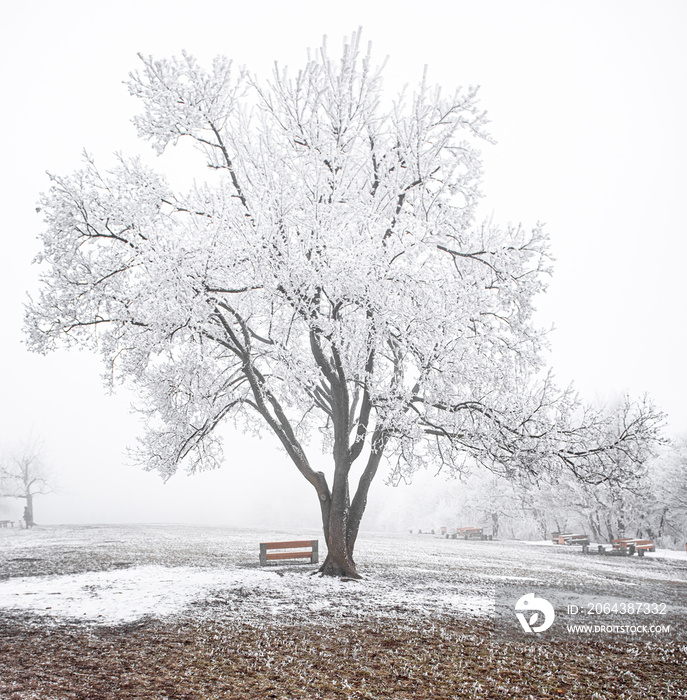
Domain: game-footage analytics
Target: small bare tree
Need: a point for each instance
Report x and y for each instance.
(23, 474)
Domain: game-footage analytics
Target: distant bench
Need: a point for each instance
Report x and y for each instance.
(624, 547)
(6, 523)
(563, 538)
(633, 545)
(467, 533)
(470, 533)
(307, 549)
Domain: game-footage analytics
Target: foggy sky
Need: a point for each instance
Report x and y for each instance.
(587, 104)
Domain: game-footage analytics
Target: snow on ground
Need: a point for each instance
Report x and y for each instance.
(128, 595)
(667, 554)
(114, 575)
(108, 596)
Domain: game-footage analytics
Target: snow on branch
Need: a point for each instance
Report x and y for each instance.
(325, 276)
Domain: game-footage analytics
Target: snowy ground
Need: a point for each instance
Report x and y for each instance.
(121, 574)
(152, 612)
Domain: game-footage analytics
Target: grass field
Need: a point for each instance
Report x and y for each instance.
(186, 612)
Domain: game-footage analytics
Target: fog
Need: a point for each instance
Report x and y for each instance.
(587, 104)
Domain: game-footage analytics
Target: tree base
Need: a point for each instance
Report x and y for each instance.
(342, 571)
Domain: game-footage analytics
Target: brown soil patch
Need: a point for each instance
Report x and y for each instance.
(222, 659)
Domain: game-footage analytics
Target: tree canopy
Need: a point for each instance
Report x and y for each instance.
(326, 274)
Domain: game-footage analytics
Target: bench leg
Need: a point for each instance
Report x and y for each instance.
(314, 557)
(263, 555)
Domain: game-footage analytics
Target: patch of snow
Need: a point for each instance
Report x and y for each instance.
(126, 595)
(667, 554)
(118, 596)
(540, 543)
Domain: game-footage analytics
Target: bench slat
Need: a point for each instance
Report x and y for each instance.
(288, 555)
(287, 545)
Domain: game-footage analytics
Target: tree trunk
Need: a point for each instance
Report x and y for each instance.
(594, 525)
(339, 560)
(620, 526)
(342, 518)
(609, 527)
(540, 520)
(662, 522)
(28, 511)
(562, 525)
(495, 524)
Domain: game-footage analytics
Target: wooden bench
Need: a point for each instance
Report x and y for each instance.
(569, 539)
(633, 544)
(469, 533)
(6, 523)
(307, 549)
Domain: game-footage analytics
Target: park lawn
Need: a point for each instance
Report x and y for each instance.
(184, 612)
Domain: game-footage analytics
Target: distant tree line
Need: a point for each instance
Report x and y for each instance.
(653, 504)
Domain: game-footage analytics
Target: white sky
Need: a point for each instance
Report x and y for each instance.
(587, 103)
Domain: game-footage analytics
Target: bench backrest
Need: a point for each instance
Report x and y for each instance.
(307, 549)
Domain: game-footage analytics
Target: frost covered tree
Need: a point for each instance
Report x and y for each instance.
(23, 475)
(326, 274)
(668, 478)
